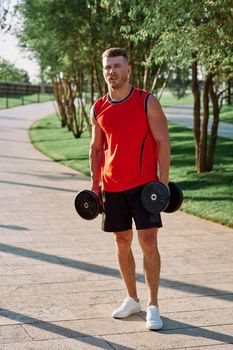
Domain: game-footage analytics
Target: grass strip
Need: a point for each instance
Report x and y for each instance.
(207, 195)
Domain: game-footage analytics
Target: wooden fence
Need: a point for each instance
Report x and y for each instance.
(21, 92)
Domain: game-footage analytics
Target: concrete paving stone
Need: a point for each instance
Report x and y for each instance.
(218, 267)
(40, 259)
(45, 314)
(196, 279)
(80, 310)
(83, 343)
(196, 318)
(109, 287)
(211, 347)
(52, 278)
(186, 291)
(78, 328)
(174, 339)
(64, 299)
(195, 303)
(13, 333)
(60, 288)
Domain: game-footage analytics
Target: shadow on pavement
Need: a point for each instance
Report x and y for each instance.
(14, 228)
(37, 186)
(175, 327)
(108, 271)
(60, 330)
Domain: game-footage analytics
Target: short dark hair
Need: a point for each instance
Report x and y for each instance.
(115, 52)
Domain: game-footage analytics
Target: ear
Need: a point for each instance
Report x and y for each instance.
(129, 70)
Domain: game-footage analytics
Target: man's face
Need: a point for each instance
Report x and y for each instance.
(116, 71)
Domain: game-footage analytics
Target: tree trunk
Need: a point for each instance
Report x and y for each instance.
(214, 129)
(229, 97)
(202, 165)
(146, 78)
(153, 87)
(164, 85)
(83, 113)
(66, 94)
(98, 83)
(57, 87)
(196, 111)
(76, 127)
(92, 86)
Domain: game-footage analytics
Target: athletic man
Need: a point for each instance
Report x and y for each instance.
(129, 148)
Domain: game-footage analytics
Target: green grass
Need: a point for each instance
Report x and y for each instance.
(169, 100)
(207, 195)
(226, 114)
(20, 100)
(59, 144)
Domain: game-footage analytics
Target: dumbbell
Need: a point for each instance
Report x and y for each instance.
(156, 197)
(87, 205)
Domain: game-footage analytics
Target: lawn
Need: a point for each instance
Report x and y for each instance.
(207, 195)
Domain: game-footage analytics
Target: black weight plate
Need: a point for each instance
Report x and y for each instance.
(155, 197)
(87, 205)
(176, 198)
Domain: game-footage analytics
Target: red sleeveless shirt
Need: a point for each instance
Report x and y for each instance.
(130, 157)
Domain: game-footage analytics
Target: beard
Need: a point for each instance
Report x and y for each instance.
(117, 82)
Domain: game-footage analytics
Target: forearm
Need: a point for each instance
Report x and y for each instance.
(164, 161)
(95, 168)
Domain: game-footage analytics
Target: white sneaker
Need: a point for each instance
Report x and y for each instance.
(127, 308)
(153, 320)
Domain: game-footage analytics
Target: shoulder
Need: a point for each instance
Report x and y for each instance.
(98, 104)
(154, 108)
(152, 100)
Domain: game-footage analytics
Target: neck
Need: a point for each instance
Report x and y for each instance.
(119, 94)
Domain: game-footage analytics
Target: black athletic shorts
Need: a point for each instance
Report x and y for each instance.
(119, 208)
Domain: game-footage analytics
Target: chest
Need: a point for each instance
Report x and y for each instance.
(123, 117)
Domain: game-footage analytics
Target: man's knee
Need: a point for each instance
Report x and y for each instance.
(148, 240)
(123, 240)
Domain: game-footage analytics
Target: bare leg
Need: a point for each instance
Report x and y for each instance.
(151, 261)
(126, 261)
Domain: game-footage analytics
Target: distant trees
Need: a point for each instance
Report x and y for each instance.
(168, 42)
(9, 72)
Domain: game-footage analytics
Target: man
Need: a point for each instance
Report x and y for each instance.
(129, 148)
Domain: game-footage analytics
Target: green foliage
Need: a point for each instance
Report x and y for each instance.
(10, 73)
(66, 36)
(185, 30)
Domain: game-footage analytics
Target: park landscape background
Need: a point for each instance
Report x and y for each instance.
(179, 50)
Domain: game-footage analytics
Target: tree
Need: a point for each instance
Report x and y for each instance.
(9, 72)
(196, 34)
(68, 39)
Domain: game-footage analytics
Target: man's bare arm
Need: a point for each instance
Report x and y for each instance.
(95, 154)
(158, 126)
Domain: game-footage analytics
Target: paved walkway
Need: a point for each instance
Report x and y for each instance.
(184, 115)
(59, 277)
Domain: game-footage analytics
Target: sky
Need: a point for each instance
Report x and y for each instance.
(10, 49)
